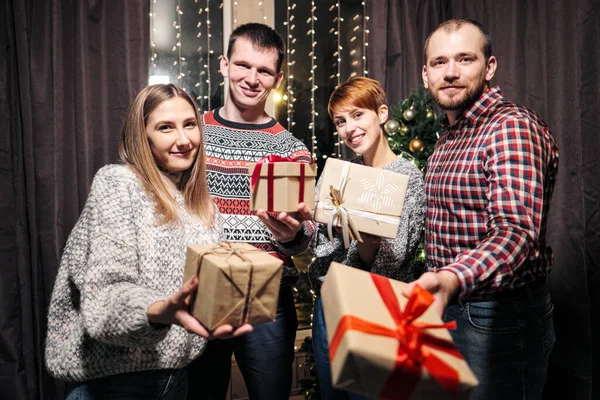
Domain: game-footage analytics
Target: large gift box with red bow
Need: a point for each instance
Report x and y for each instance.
(359, 198)
(280, 184)
(237, 284)
(386, 346)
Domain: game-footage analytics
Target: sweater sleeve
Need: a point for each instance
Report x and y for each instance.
(113, 303)
(395, 257)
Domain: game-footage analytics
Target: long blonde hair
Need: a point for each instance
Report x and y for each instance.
(134, 150)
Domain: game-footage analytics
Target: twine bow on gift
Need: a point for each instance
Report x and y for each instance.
(269, 160)
(226, 249)
(412, 355)
(349, 231)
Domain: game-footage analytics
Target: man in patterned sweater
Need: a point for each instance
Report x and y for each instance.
(236, 134)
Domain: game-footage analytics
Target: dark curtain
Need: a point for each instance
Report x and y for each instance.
(549, 60)
(68, 70)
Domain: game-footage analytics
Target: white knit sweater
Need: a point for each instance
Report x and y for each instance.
(117, 262)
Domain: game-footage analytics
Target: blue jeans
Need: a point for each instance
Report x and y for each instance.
(163, 384)
(506, 340)
(265, 357)
(321, 353)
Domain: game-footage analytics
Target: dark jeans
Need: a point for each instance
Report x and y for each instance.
(322, 363)
(265, 357)
(506, 341)
(163, 384)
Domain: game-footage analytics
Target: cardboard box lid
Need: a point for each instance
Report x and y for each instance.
(367, 189)
(285, 169)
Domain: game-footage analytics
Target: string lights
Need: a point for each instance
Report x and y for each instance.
(338, 53)
(208, 54)
(314, 87)
(177, 47)
(289, 96)
(199, 85)
(365, 38)
(153, 54)
(344, 29)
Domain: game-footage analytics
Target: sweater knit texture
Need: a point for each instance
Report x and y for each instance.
(395, 257)
(117, 262)
(229, 147)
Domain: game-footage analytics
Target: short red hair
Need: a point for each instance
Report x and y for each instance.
(360, 92)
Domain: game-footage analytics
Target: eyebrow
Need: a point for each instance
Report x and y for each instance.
(167, 121)
(348, 111)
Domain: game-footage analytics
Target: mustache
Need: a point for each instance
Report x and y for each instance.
(452, 85)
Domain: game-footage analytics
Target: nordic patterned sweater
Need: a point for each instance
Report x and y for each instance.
(395, 256)
(117, 262)
(229, 147)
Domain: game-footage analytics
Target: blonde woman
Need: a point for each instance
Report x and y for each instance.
(117, 324)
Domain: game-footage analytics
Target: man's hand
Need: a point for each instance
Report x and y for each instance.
(285, 226)
(443, 285)
(174, 311)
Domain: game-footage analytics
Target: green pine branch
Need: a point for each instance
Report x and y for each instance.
(424, 125)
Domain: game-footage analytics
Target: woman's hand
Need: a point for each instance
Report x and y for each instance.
(174, 311)
(286, 226)
(367, 250)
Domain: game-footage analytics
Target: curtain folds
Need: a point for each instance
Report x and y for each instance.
(68, 70)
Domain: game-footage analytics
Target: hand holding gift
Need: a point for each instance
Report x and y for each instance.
(384, 345)
(281, 183)
(285, 226)
(238, 284)
(174, 311)
(358, 198)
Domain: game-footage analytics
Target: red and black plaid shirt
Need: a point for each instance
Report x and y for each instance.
(488, 187)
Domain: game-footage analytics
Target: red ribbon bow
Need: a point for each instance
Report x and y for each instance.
(269, 160)
(412, 356)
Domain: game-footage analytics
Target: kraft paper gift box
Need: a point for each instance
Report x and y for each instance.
(237, 284)
(281, 185)
(371, 197)
(383, 345)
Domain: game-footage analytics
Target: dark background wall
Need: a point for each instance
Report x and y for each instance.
(68, 70)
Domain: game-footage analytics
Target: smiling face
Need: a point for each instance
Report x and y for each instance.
(173, 134)
(456, 72)
(360, 128)
(252, 74)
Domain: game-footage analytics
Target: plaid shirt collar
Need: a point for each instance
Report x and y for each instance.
(478, 110)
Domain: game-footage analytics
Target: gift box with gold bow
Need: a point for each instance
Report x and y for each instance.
(280, 184)
(358, 199)
(386, 346)
(237, 284)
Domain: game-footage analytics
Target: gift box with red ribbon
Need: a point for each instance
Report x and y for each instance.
(237, 284)
(280, 184)
(386, 346)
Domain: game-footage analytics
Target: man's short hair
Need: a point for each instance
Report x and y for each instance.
(261, 36)
(452, 25)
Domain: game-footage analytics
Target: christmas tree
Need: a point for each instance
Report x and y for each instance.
(413, 127)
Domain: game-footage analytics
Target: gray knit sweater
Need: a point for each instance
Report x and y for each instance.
(117, 262)
(395, 256)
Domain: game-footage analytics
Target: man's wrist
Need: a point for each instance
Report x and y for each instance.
(449, 282)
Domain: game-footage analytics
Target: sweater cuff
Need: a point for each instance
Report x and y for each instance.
(297, 245)
(144, 332)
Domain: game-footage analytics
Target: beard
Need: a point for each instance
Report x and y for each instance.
(461, 102)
